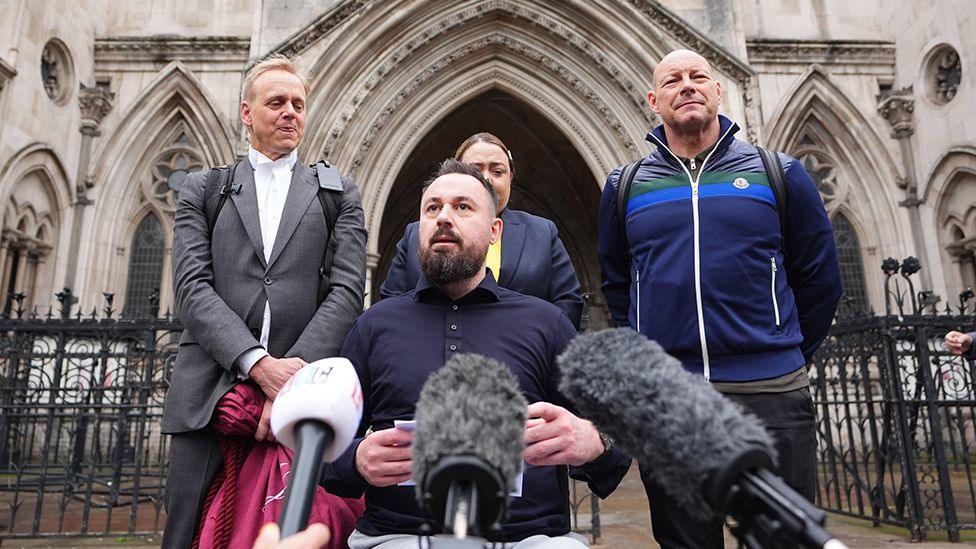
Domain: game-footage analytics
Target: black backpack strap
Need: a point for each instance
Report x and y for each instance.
(329, 195)
(777, 182)
(220, 185)
(623, 192)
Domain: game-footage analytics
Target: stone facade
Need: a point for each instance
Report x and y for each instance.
(105, 105)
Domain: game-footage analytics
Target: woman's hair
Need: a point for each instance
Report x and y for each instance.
(485, 137)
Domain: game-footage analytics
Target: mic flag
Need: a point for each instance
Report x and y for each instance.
(327, 391)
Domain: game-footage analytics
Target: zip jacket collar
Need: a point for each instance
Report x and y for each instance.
(727, 129)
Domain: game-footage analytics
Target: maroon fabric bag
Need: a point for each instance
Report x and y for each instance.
(249, 492)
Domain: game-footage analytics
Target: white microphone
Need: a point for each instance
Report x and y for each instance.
(316, 415)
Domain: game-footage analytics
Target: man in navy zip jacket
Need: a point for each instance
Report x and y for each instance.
(705, 269)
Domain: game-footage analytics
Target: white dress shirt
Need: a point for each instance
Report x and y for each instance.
(272, 178)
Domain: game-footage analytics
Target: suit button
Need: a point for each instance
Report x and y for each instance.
(453, 347)
(268, 280)
(255, 331)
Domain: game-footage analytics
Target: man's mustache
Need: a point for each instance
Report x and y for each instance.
(445, 234)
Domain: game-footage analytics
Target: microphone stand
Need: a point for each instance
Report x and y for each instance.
(312, 437)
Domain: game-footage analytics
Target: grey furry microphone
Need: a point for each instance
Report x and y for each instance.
(467, 449)
(699, 446)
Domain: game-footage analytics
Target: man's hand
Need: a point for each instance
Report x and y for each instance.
(313, 537)
(264, 424)
(958, 343)
(383, 458)
(272, 373)
(554, 436)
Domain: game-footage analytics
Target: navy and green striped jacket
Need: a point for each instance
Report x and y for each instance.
(758, 318)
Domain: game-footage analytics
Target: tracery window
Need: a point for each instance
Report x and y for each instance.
(851, 263)
(145, 266)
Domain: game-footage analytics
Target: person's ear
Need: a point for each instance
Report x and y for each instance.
(496, 229)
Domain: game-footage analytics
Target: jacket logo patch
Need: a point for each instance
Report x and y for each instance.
(740, 183)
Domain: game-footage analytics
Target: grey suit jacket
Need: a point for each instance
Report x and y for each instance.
(221, 287)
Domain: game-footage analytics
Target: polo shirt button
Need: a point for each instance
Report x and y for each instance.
(454, 307)
(454, 327)
(268, 280)
(453, 347)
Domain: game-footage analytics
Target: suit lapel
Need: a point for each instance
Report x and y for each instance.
(246, 203)
(301, 191)
(513, 240)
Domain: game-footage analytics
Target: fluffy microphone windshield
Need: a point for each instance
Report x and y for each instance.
(672, 421)
(471, 406)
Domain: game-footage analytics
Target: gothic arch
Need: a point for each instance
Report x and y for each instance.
(952, 187)
(815, 116)
(36, 195)
(174, 104)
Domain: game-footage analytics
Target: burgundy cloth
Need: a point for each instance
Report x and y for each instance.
(258, 493)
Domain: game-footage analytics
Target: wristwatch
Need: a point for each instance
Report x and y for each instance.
(607, 441)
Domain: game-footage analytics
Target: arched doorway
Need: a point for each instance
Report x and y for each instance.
(552, 180)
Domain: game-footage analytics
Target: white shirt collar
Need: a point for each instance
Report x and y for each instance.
(257, 158)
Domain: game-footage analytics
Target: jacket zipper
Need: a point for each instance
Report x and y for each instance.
(772, 288)
(638, 298)
(694, 212)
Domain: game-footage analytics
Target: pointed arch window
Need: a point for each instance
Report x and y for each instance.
(851, 263)
(145, 266)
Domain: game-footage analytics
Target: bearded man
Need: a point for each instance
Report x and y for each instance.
(458, 307)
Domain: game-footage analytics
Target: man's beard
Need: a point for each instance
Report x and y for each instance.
(446, 268)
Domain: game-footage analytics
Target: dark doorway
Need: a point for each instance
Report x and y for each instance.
(551, 180)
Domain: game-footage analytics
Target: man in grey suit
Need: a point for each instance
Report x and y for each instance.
(247, 282)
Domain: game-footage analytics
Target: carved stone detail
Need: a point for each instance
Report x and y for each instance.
(94, 102)
(163, 49)
(833, 189)
(897, 107)
(56, 71)
(805, 52)
(494, 40)
(944, 74)
(322, 26)
(6, 74)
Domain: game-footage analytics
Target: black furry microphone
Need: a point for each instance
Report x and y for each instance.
(468, 446)
(699, 446)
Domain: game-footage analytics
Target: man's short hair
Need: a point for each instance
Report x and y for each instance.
(451, 166)
(274, 62)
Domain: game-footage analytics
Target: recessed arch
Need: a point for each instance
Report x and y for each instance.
(552, 179)
(952, 182)
(174, 104)
(816, 115)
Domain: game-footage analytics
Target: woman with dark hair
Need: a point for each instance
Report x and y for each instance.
(529, 258)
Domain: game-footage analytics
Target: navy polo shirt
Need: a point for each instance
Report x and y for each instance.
(400, 341)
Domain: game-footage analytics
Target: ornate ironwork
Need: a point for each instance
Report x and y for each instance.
(81, 400)
(897, 412)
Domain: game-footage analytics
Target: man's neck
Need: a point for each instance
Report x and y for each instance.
(271, 155)
(689, 142)
(461, 288)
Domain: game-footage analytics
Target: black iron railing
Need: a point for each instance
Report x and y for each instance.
(80, 405)
(896, 412)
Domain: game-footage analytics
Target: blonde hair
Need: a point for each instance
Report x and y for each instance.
(274, 62)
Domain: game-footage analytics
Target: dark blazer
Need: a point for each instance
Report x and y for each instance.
(221, 287)
(534, 262)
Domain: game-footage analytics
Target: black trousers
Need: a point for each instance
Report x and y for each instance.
(194, 461)
(790, 419)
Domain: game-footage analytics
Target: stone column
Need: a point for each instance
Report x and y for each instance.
(95, 103)
(898, 107)
(372, 262)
